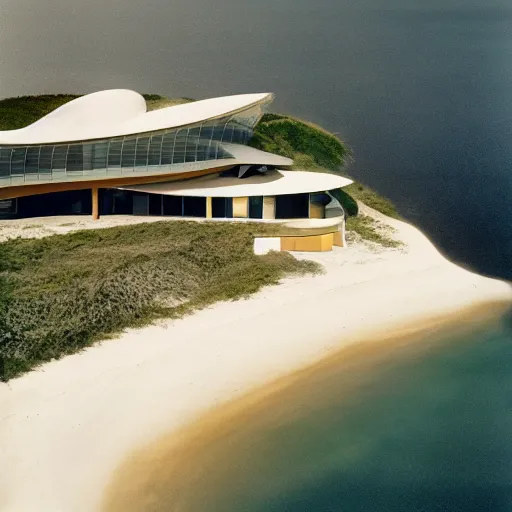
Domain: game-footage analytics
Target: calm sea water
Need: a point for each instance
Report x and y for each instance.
(425, 426)
(421, 90)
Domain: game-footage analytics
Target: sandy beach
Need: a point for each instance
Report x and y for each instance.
(65, 428)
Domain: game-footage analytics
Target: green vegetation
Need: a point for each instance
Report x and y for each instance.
(308, 145)
(19, 112)
(370, 198)
(59, 294)
(371, 230)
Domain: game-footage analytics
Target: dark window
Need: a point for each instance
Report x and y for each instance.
(87, 152)
(5, 162)
(128, 157)
(168, 148)
(141, 157)
(218, 207)
(194, 206)
(173, 205)
(155, 150)
(75, 158)
(45, 159)
(114, 154)
(123, 203)
(18, 161)
(155, 204)
(8, 207)
(99, 155)
(222, 207)
(59, 158)
(140, 204)
(32, 160)
(180, 147)
(320, 198)
(256, 207)
(294, 206)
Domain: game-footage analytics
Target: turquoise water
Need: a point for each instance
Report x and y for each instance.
(425, 426)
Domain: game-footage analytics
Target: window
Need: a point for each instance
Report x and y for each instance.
(45, 159)
(75, 158)
(222, 207)
(155, 204)
(99, 155)
(59, 158)
(173, 205)
(168, 148)
(155, 150)
(114, 154)
(294, 206)
(128, 153)
(32, 160)
(141, 154)
(18, 161)
(256, 207)
(5, 162)
(194, 206)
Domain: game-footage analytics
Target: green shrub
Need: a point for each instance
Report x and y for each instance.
(295, 139)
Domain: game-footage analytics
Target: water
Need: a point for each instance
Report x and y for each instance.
(422, 91)
(422, 424)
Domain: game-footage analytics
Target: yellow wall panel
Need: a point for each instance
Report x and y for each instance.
(316, 243)
(240, 207)
(316, 211)
(269, 207)
(208, 207)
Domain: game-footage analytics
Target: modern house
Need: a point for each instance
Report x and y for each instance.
(105, 154)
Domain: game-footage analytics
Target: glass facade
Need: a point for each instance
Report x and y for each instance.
(152, 152)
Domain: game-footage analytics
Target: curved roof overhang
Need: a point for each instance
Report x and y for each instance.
(272, 183)
(121, 112)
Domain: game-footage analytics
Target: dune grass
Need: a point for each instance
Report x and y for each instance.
(371, 230)
(61, 293)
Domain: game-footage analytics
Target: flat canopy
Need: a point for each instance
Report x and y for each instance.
(119, 112)
(272, 183)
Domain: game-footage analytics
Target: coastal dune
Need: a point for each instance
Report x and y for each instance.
(67, 427)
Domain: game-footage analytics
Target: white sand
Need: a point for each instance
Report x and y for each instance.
(67, 426)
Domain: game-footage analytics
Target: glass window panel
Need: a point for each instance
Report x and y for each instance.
(5, 162)
(155, 204)
(194, 206)
(75, 158)
(128, 157)
(155, 150)
(168, 148)
(59, 158)
(99, 155)
(180, 147)
(218, 131)
(141, 154)
(228, 134)
(114, 153)
(32, 161)
(45, 159)
(173, 205)
(18, 161)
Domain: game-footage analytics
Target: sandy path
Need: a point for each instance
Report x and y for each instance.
(66, 427)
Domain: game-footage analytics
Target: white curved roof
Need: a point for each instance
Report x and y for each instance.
(118, 112)
(273, 183)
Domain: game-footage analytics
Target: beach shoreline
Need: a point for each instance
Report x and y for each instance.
(164, 472)
(66, 427)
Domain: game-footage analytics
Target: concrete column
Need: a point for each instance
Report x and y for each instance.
(95, 204)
